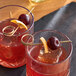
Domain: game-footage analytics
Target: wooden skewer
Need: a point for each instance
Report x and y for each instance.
(65, 41)
(31, 10)
(14, 31)
(12, 27)
(10, 14)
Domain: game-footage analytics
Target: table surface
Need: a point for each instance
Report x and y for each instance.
(40, 10)
(63, 20)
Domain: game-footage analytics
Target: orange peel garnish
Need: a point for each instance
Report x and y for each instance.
(44, 44)
(20, 24)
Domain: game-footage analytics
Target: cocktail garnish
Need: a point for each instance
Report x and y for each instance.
(54, 43)
(30, 43)
(44, 44)
(20, 25)
(8, 33)
(25, 18)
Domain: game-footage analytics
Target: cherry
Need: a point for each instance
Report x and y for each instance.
(25, 18)
(53, 43)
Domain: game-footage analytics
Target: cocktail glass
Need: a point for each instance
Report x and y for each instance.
(12, 51)
(35, 67)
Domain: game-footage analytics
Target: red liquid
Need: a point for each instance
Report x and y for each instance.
(12, 51)
(34, 68)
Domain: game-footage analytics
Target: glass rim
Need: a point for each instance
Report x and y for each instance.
(71, 48)
(25, 9)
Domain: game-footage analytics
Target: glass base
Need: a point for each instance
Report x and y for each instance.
(13, 65)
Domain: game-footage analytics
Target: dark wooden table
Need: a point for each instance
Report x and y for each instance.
(63, 20)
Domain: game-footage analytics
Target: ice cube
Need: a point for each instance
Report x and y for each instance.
(5, 52)
(50, 57)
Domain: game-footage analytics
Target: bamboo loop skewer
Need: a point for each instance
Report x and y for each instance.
(13, 28)
(44, 42)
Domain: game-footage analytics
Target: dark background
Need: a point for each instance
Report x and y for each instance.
(63, 20)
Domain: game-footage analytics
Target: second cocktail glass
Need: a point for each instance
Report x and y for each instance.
(36, 64)
(12, 51)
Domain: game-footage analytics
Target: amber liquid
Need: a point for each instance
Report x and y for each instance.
(35, 69)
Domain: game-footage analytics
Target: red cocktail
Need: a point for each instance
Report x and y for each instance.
(56, 62)
(12, 51)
